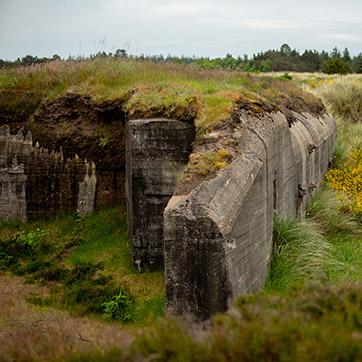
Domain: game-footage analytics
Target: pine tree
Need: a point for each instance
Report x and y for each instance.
(335, 53)
(346, 56)
(358, 65)
(336, 66)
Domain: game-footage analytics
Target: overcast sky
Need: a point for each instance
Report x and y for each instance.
(178, 27)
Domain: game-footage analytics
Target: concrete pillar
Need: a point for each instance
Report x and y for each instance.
(157, 152)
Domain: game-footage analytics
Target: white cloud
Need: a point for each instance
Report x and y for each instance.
(178, 8)
(157, 8)
(344, 37)
(201, 27)
(256, 24)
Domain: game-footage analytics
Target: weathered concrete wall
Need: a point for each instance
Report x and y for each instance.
(218, 238)
(157, 152)
(35, 183)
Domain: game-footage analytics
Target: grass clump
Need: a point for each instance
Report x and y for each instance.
(324, 246)
(342, 97)
(299, 253)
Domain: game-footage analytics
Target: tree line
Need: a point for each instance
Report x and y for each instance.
(283, 59)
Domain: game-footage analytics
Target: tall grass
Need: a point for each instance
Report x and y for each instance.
(148, 89)
(299, 254)
(342, 97)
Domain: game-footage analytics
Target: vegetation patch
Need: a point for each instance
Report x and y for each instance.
(311, 307)
(146, 89)
(319, 322)
(86, 261)
(348, 183)
(342, 97)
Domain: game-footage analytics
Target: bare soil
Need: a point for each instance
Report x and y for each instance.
(28, 332)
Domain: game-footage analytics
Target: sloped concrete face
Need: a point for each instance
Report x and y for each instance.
(218, 238)
(157, 152)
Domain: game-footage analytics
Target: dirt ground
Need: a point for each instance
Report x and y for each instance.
(28, 332)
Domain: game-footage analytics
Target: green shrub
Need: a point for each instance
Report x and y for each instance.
(347, 181)
(119, 308)
(336, 66)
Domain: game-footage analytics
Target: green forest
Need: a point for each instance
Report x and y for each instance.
(283, 59)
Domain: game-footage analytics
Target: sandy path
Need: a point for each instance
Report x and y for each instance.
(27, 331)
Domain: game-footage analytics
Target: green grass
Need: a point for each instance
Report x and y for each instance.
(147, 89)
(327, 245)
(299, 254)
(85, 260)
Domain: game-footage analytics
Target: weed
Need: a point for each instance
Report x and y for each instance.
(119, 308)
(285, 76)
(32, 239)
(104, 137)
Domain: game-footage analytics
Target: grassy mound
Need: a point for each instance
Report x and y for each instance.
(147, 89)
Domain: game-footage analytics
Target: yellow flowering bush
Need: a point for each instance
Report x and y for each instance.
(348, 182)
(314, 82)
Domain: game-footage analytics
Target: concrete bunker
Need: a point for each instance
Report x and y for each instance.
(214, 238)
(217, 237)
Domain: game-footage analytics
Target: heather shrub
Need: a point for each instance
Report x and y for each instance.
(319, 322)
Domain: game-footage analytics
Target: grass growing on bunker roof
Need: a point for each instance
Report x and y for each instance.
(152, 89)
